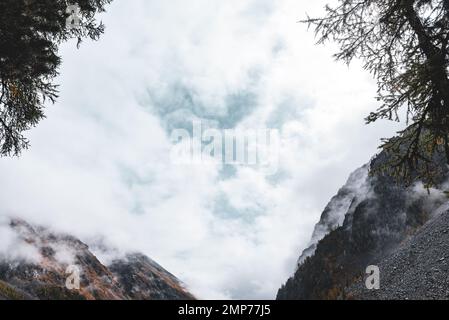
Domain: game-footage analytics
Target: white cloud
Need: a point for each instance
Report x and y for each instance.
(99, 164)
(13, 248)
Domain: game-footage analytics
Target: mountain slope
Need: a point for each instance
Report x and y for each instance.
(39, 272)
(369, 219)
(417, 270)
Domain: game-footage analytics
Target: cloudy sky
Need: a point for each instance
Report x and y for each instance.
(99, 166)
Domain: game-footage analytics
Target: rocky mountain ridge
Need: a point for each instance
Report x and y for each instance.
(47, 260)
(366, 223)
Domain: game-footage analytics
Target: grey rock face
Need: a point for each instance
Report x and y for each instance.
(417, 270)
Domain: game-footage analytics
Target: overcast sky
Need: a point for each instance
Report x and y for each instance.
(99, 165)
